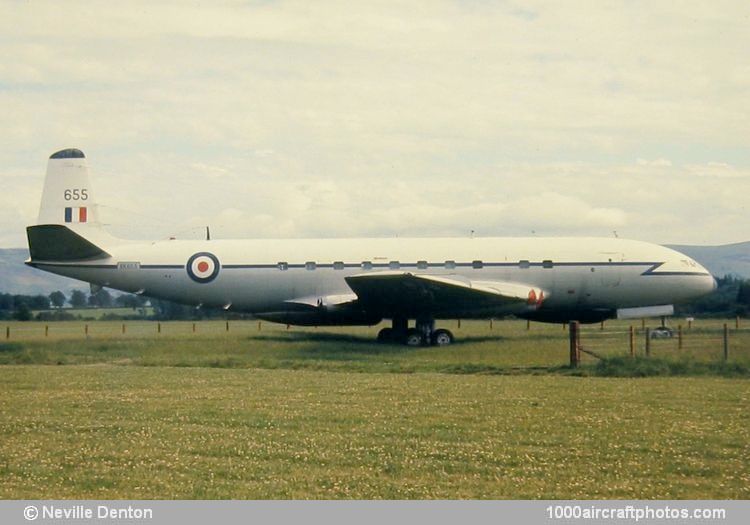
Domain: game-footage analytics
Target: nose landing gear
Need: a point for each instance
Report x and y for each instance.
(423, 334)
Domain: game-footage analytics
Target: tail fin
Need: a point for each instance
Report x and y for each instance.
(68, 227)
(67, 197)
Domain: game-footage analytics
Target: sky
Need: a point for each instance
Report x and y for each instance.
(420, 118)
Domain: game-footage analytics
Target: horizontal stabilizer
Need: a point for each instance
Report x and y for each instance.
(54, 242)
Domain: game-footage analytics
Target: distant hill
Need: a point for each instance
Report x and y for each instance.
(727, 259)
(16, 277)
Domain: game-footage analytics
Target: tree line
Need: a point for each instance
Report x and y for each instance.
(52, 307)
(732, 297)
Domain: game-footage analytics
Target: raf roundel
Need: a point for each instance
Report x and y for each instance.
(203, 267)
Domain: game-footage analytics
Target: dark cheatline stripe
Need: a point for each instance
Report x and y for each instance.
(653, 266)
(442, 264)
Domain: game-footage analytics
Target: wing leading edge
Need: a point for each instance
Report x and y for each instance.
(413, 293)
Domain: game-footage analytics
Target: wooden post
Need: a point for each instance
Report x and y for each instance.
(632, 341)
(648, 342)
(690, 324)
(158, 328)
(601, 327)
(259, 326)
(737, 323)
(193, 327)
(490, 324)
(46, 330)
(7, 332)
(459, 324)
(227, 326)
(575, 353)
(565, 326)
(123, 328)
(643, 324)
(528, 324)
(679, 337)
(726, 342)
(287, 327)
(86, 330)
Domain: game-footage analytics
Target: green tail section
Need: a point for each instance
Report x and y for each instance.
(54, 242)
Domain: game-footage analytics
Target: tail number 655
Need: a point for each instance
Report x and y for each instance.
(76, 195)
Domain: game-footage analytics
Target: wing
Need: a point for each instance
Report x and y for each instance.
(410, 293)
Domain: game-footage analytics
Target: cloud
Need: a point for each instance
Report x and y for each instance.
(432, 118)
(656, 163)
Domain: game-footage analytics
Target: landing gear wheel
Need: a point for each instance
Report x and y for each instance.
(385, 335)
(413, 337)
(442, 337)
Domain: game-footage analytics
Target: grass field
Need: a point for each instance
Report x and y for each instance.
(320, 413)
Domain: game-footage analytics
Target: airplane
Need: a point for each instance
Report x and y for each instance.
(327, 282)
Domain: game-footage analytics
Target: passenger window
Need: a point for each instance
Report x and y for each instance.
(450, 265)
(524, 264)
(394, 265)
(366, 265)
(338, 265)
(422, 265)
(310, 265)
(546, 263)
(477, 264)
(283, 266)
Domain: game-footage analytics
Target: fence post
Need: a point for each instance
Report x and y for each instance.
(632, 341)
(123, 328)
(737, 323)
(490, 324)
(575, 353)
(648, 342)
(643, 324)
(193, 327)
(726, 342)
(86, 330)
(690, 324)
(158, 328)
(259, 326)
(565, 326)
(227, 326)
(528, 324)
(459, 324)
(46, 330)
(679, 337)
(601, 326)
(7, 332)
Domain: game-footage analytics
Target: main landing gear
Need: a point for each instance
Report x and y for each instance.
(423, 334)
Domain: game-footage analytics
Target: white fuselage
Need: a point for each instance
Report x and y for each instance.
(257, 276)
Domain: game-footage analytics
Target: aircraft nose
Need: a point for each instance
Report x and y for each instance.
(708, 283)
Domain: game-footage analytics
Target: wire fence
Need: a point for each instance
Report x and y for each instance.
(708, 341)
(703, 340)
